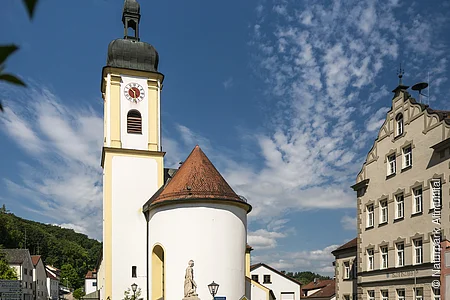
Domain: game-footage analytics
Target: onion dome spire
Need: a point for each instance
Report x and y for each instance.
(130, 52)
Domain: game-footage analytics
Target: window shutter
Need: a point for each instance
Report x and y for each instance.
(134, 122)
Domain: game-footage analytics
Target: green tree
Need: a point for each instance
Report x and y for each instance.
(69, 275)
(6, 272)
(7, 50)
(129, 295)
(78, 293)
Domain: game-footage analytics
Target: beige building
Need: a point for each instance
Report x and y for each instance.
(400, 189)
(345, 270)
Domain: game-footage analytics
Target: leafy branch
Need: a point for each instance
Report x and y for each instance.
(7, 50)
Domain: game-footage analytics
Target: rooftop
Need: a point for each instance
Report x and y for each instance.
(196, 179)
(16, 256)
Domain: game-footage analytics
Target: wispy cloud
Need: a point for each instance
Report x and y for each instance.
(348, 223)
(228, 83)
(64, 182)
(319, 260)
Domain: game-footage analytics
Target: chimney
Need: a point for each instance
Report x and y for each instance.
(316, 280)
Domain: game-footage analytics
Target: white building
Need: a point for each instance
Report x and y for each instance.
(90, 282)
(192, 214)
(283, 286)
(40, 291)
(20, 260)
(52, 284)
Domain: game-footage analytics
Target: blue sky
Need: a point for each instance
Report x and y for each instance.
(285, 97)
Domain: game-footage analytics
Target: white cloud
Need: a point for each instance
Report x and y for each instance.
(348, 223)
(228, 83)
(377, 119)
(319, 260)
(64, 182)
(263, 239)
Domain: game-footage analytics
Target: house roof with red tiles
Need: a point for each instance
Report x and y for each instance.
(35, 259)
(196, 179)
(327, 289)
(316, 285)
(50, 275)
(91, 274)
(348, 245)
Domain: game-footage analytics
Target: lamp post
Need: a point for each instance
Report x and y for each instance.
(213, 288)
(134, 288)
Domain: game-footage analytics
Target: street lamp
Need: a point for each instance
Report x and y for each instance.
(134, 288)
(213, 288)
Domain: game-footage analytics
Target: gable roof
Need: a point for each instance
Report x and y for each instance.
(16, 256)
(35, 259)
(348, 245)
(317, 285)
(327, 289)
(442, 115)
(91, 274)
(196, 179)
(50, 275)
(256, 266)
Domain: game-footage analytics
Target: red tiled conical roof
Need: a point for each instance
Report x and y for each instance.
(197, 179)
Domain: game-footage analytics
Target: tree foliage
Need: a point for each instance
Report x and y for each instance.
(73, 253)
(6, 272)
(78, 293)
(305, 277)
(129, 295)
(7, 50)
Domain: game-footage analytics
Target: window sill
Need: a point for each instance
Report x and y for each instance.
(390, 176)
(399, 136)
(267, 282)
(419, 213)
(406, 168)
(398, 219)
(382, 224)
(369, 227)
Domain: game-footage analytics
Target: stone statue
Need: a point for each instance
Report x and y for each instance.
(190, 287)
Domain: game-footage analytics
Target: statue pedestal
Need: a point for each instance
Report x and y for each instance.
(191, 298)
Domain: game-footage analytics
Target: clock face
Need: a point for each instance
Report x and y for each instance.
(134, 92)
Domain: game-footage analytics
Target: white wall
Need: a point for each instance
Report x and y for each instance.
(279, 283)
(134, 141)
(89, 285)
(213, 235)
(40, 281)
(101, 279)
(134, 181)
(257, 293)
(52, 288)
(27, 279)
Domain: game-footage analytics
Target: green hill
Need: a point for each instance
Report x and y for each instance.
(73, 253)
(305, 277)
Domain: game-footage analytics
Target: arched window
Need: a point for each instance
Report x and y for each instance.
(134, 122)
(157, 273)
(399, 124)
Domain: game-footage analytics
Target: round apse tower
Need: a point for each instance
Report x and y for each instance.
(196, 216)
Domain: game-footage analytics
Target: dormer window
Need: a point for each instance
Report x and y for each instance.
(399, 124)
(134, 122)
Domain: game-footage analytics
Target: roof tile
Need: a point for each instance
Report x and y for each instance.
(197, 178)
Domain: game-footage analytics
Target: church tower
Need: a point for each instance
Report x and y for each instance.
(132, 157)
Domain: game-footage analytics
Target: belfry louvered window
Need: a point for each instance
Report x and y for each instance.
(134, 122)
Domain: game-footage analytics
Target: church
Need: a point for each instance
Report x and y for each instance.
(169, 233)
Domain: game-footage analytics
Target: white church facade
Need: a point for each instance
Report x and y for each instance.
(170, 232)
